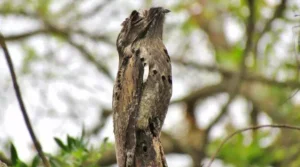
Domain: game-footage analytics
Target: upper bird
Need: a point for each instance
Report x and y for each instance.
(143, 87)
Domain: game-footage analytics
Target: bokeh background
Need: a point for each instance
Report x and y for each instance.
(234, 66)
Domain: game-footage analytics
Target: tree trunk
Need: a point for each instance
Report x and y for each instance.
(149, 151)
(2, 164)
(134, 147)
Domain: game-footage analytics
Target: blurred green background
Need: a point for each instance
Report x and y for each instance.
(235, 64)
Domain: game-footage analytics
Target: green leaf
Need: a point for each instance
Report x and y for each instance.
(36, 161)
(105, 140)
(60, 144)
(53, 162)
(14, 155)
(71, 142)
(21, 164)
(82, 134)
(230, 58)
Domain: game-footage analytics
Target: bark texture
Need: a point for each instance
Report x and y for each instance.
(2, 164)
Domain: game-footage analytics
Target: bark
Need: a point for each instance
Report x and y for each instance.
(2, 164)
(149, 151)
(134, 147)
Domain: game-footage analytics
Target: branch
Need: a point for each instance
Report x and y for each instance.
(90, 58)
(50, 29)
(203, 93)
(92, 12)
(25, 35)
(278, 13)
(21, 103)
(170, 145)
(250, 34)
(198, 152)
(217, 119)
(18, 12)
(246, 129)
(249, 76)
(2, 164)
(95, 37)
(237, 79)
(66, 33)
(101, 123)
(5, 160)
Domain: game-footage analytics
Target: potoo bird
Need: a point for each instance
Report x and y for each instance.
(143, 86)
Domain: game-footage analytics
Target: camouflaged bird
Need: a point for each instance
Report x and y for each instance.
(143, 87)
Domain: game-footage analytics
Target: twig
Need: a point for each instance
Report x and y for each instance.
(250, 34)
(246, 129)
(88, 56)
(5, 160)
(277, 14)
(217, 119)
(20, 12)
(249, 76)
(25, 35)
(21, 103)
(63, 31)
(202, 93)
(66, 33)
(296, 52)
(238, 78)
(97, 8)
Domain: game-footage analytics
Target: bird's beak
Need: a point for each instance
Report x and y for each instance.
(166, 11)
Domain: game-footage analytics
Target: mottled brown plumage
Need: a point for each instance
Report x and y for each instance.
(143, 87)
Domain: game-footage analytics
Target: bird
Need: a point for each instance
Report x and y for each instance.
(143, 86)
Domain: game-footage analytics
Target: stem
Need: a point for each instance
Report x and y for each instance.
(21, 103)
(246, 129)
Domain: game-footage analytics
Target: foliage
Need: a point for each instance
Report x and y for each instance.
(75, 152)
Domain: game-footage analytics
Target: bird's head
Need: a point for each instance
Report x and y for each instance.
(148, 23)
(155, 18)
